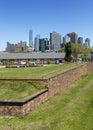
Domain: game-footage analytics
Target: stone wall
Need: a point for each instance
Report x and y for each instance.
(54, 84)
(21, 107)
(61, 81)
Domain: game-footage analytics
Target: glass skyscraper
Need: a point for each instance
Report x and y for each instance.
(74, 37)
(43, 44)
(36, 45)
(66, 39)
(87, 42)
(80, 40)
(30, 38)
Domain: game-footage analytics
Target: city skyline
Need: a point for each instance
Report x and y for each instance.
(43, 17)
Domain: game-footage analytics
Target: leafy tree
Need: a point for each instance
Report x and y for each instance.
(68, 51)
(76, 50)
(62, 49)
(85, 52)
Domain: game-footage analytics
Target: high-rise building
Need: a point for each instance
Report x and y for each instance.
(80, 40)
(74, 37)
(55, 41)
(87, 42)
(66, 39)
(19, 47)
(36, 44)
(31, 44)
(10, 47)
(47, 45)
(43, 44)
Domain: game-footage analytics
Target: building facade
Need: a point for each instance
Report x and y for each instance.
(19, 47)
(66, 39)
(29, 58)
(74, 37)
(10, 47)
(36, 43)
(80, 40)
(31, 44)
(55, 41)
(43, 44)
(87, 42)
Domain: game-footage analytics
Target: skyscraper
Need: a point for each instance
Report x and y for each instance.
(55, 41)
(87, 42)
(80, 40)
(31, 45)
(66, 39)
(36, 45)
(74, 37)
(43, 44)
(10, 47)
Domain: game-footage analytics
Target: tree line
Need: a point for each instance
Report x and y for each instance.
(73, 52)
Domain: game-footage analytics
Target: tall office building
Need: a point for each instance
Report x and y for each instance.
(10, 47)
(36, 44)
(55, 41)
(80, 40)
(74, 37)
(43, 44)
(31, 45)
(66, 39)
(47, 45)
(87, 42)
(21, 46)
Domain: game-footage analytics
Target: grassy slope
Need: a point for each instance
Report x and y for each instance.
(18, 90)
(36, 72)
(72, 109)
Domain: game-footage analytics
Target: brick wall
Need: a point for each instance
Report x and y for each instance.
(54, 84)
(20, 107)
(59, 82)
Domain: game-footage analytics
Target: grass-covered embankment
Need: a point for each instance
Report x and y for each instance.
(12, 90)
(36, 72)
(71, 109)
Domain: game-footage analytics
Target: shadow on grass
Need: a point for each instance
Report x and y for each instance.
(92, 104)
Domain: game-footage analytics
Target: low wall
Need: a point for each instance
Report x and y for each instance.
(61, 81)
(20, 107)
(55, 84)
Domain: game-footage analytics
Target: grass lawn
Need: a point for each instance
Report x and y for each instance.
(36, 72)
(71, 109)
(18, 90)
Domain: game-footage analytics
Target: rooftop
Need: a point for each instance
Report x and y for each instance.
(33, 55)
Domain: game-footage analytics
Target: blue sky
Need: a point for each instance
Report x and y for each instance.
(44, 16)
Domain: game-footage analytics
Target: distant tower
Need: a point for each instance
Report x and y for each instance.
(66, 39)
(80, 40)
(55, 41)
(36, 45)
(43, 44)
(74, 37)
(87, 42)
(31, 45)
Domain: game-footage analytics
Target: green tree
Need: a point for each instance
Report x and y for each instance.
(85, 52)
(80, 50)
(68, 51)
(76, 50)
(62, 49)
